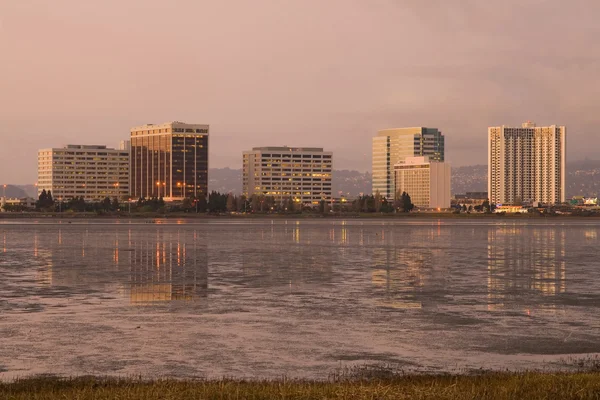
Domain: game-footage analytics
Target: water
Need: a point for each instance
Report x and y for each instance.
(262, 298)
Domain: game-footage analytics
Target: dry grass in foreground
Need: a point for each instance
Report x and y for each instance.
(529, 385)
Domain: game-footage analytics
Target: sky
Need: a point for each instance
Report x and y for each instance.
(297, 72)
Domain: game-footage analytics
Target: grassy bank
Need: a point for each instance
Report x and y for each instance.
(528, 385)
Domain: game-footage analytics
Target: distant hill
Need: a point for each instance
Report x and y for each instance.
(583, 178)
(31, 190)
(12, 191)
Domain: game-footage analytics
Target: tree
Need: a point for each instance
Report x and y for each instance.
(377, 200)
(115, 204)
(231, 203)
(201, 204)
(45, 200)
(365, 204)
(398, 201)
(486, 205)
(407, 204)
(186, 204)
(240, 203)
(106, 204)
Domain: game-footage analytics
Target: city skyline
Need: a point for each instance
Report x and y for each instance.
(296, 73)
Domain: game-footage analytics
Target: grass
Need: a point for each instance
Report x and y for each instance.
(526, 385)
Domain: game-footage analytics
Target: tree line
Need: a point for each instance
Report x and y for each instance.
(217, 202)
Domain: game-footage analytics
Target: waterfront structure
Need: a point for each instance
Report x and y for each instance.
(90, 171)
(427, 183)
(526, 164)
(302, 174)
(391, 146)
(25, 202)
(169, 160)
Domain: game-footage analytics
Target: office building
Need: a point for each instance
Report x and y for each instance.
(125, 145)
(427, 183)
(526, 164)
(92, 172)
(169, 161)
(391, 146)
(300, 173)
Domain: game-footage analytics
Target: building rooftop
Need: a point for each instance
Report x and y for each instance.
(168, 125)
(287, 148)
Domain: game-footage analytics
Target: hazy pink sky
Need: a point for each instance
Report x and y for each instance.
(300, 72)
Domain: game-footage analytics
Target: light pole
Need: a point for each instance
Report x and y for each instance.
(129, 204)
(4, 191)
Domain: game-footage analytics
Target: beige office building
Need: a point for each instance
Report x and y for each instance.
(169, 160)
(300, 173)
(391, 146)
(88, 171)
(427, 183)
(527, 164)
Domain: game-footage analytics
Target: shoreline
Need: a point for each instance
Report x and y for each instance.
(337, 216)
(487, 385)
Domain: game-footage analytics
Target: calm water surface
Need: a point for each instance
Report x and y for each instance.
(301, 298)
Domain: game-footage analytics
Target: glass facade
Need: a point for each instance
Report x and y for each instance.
(169, 161)
(391, 146)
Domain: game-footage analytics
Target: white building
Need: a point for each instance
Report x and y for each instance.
(300, 173)
(526, 164)
(391, 146)
(427, 183)
(26, 202)
(92, 172)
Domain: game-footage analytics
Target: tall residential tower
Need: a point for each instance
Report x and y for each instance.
(527, 164)
(169, 160)
(391, 146)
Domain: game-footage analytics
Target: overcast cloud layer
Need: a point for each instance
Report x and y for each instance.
(298, 72)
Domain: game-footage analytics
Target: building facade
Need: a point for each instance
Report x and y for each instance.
(427, 183)
(91, 172)
(527, 164)
(300, 173)
(169, 161)
(391, 146)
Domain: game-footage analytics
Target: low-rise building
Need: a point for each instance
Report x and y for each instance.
(427, 183)
(302, 174)
(23, 202)
(89, 171)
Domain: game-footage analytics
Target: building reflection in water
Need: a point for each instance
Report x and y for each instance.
(295, 255)
(403, 267)
(524, 261)
(169, 267)
(144, 267)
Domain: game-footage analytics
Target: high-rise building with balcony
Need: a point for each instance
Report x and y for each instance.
(302, 174)
(169, 160)
(88, 171)
(391, 146)
(527, 164)
(427, 183)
